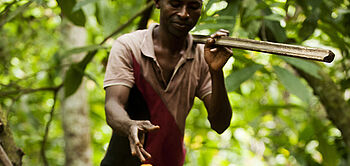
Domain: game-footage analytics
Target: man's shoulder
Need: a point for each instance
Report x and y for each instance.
(132, 37)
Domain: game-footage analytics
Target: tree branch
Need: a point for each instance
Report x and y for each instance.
(29, 90)
(15, 13)
(9, 151)
(145, 17)
(149, 5)
(47, 127)
(331, 97)
(4, 13)
(4, 158)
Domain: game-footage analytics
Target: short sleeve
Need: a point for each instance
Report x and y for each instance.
(119, 70)
(204, 87)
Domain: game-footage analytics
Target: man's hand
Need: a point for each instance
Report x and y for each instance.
(136, 134)
(216, 57)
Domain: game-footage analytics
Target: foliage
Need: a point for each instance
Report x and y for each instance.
(276, 120)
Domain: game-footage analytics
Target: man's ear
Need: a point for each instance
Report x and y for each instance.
(156, 2)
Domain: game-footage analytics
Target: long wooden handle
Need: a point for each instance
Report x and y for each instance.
(310, 53)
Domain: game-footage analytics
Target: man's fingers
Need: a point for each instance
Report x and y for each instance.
(220, 33)
(132, 146)
(139, 154)
(210, 43)
(145, 153)
(134, 136)
(213, 50)
(224, 30)
(147, 125)
(152, 128)
(142, 138)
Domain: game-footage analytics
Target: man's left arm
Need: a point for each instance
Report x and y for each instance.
(217, 103)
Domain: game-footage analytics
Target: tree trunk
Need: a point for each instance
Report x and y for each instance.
(75, 115)
(11, 151)
(332, 98)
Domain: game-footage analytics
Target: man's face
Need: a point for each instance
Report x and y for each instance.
(179, 16)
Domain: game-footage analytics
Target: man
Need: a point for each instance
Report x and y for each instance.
(151, 80)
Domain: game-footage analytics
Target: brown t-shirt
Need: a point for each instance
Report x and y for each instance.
(191, 76)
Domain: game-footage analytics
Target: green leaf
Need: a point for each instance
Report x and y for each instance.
(273, 17)
(75, 73)
(306, 66)
(80, 4)
(213, 26)
(235, 79)
(77, 17)
(293, 84)
(279, 33)
(73, 79)
(308, 28)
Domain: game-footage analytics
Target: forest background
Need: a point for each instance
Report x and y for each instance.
(285, 111)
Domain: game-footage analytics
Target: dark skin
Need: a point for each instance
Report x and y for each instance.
(177, 18)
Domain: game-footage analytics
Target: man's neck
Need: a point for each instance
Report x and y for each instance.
(168, 41)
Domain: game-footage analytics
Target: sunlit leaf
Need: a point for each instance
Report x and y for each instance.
(235, 79)
(213, 26)
(273, 17)
(293, 84)
(304, 65)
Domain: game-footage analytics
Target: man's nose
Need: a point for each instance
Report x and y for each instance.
(183, 13)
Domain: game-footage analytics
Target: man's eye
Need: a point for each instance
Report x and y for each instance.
(175, 4)
(195, 6)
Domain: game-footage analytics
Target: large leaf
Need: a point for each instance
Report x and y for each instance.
(77, 17)
(293, 84)
(310, 23)
(213, 26)
(278, 32)
(308, 28)
(75, 73)
(73, 79)
(306, 66)
(237, 78)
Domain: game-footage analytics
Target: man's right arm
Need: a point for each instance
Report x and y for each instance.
(118, 119)
(116, 116)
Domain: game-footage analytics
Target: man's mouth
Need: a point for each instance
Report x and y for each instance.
(180, 25)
